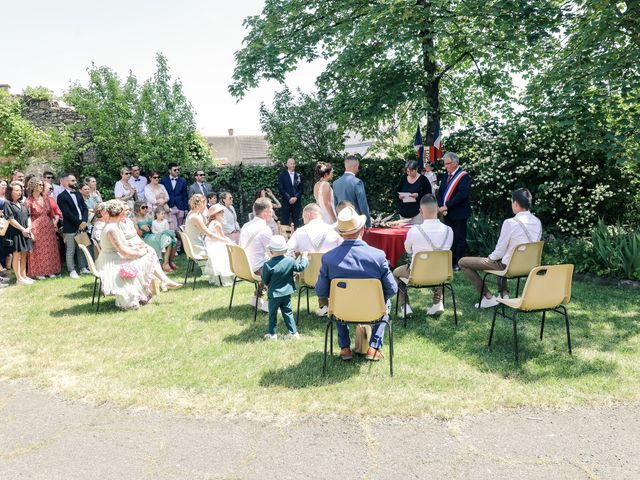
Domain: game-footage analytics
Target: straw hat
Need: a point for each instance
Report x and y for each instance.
(215, 209)
(349, 221)
(278, 244)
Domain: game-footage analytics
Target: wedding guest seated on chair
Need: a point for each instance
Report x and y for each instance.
(355, 259)
(524, 227)
(255, 236)
(316, 236)
(429, 236)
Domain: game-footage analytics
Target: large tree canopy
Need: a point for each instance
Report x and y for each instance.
(415, 59)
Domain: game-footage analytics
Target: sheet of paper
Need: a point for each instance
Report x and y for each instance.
(406, 197)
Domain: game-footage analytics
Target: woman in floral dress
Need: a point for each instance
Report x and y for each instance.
(44, 259)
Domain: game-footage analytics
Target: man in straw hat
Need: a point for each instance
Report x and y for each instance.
(355, 259)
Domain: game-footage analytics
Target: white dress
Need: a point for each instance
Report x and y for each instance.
(218, 258)
(129, 292)
(326, 217)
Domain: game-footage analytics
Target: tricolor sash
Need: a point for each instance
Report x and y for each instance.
(452, 186)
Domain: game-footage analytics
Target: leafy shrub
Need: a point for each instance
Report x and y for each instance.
(37, 93)
(482, 234)
(618, 248)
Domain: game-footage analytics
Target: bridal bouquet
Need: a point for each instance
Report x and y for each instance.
(128, 270)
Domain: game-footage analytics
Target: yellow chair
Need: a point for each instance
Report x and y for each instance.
(241, 268)
(193, 259)
(526, 256)
(356, 300)
(97, 283)
(96, 247)
(547, 288)
(308, 279)
(286, 230)
(428, 270)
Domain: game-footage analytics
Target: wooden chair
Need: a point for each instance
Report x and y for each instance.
(356, 301)
(193, 259)
(308, 279)
(526, 257)
(241, 268)
(97, 283)
(286, 230)
(547, 288)
(428, 270)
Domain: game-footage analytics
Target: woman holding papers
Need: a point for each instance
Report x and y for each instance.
(410, 190)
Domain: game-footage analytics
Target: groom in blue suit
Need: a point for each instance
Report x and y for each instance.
(178, 199)
(355, 259)
(290, 188)
(349, 187)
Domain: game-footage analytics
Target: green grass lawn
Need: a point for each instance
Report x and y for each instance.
(187, 352)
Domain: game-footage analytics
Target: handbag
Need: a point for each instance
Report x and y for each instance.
(363, 336)
(82, 238)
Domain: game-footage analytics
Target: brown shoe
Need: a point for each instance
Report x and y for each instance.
(374, 355)
(345, 354)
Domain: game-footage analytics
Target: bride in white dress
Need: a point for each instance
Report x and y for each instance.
(323, 193)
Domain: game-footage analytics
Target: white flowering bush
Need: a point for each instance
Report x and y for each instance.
(573, 183)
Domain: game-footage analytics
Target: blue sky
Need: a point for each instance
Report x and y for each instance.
(51, 43)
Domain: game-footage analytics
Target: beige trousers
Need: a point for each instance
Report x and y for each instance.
(403, 272)
(470, 266)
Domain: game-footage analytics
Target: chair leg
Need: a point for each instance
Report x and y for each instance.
(517, 287)
(308, 309)
(233, 289)
(298, 309)
(397, 300)
(515, 334)
(390, 347)
(544, 314)
(186, 273)
(326, 339)
(220, 280)
(95, 286)
(99, 294)
(255, 309)
(493, 325)
(406, 300)
(331, 338)
(484, 278)
(566, 322)
(453, 299)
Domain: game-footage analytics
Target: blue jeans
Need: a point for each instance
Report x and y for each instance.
(377, 332)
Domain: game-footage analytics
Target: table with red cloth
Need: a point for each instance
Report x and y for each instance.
(389, 240)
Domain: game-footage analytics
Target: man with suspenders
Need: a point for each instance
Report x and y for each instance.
(524, 227)
(431, 235)
(315, 237)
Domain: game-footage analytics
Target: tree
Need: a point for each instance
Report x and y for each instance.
(301, 127)
(395, 59)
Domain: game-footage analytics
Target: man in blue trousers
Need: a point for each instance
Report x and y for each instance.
(355, 259)
(350, 188)
(290, 187)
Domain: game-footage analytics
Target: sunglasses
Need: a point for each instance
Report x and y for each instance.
(199, 174)
(156, 176)
(49, 177)
(127, 173)
(144, 207)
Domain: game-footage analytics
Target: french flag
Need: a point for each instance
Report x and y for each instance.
(435, 150)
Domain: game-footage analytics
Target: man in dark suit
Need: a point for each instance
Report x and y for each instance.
(75, 215)
(178, 200)
(290, 188)
(200, 186)
(355, 259)
(350, 188)
(453, 204)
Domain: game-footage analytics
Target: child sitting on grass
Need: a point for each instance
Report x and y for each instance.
(277, 274)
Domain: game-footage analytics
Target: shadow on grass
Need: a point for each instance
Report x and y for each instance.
(308, 373)
(107, 305)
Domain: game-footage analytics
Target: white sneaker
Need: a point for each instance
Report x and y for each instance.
(41, 277)
(322, 311)
(264, 306)
(85, 271)
(53, 276)
(293, 336)
(29, 280)
(436, 309)
(23, 282)
(408, 307)
(488, 302)
(74, 274)
(268, 336)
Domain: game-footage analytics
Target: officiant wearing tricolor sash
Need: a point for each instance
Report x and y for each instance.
(453, 203)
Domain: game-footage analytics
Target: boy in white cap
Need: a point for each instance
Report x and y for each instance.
(277, 275)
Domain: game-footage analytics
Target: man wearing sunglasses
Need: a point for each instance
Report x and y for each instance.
(200, 186)
(178, 199)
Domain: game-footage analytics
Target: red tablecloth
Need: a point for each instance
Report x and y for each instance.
(391, 240)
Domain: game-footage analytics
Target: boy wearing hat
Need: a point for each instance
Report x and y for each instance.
(277, 274)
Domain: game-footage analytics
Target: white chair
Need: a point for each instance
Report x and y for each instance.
(97, 283)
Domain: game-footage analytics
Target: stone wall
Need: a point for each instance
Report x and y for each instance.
(48, 113)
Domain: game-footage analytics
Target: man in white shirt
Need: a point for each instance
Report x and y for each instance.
(138, 182)
(524, 227)
(254, 238)
(431, 235)
(230, 225)
(316, 236)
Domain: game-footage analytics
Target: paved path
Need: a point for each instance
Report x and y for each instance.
(43, 436)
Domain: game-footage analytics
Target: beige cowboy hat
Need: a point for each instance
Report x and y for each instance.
(215, 209)
(349, 221)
